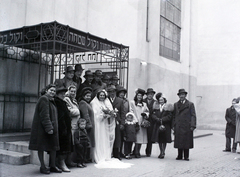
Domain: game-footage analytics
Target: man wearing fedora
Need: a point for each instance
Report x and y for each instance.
(117, 104)
(97, 83)
(149, 101)
(77, 75)
(67, 80)
(184, 123)
(115, 81)
(87, 83)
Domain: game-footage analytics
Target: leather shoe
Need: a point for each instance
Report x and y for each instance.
(55, 169)
(138, 156)
(178, 158)
(187, 159)
(84, 165)
(80, 165)
(72, 164)
(44, 170)
(227, 150)
(148, 155)
(234, 151)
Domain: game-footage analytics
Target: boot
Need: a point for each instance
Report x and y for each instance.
(62, 165)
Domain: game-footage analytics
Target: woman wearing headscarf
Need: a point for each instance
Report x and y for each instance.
(44, 132)
(141, 112)
(162, 115)
(87, 113)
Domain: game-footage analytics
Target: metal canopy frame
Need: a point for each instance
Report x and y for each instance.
(54, 46)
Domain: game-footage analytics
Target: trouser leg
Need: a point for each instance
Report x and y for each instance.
(234, 147)
(228, 143)
(180, 154)
(186, 153)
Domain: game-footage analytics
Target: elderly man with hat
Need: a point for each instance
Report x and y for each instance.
(117, 104)
(97, 83)
(184, 123)
(115, 81)
(67, 80)
(77, 74)
(149, 101)
(87, 83)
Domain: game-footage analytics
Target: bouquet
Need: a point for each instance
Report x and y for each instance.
(109, 113)
(145, 123)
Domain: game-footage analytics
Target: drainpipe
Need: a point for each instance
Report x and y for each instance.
(147, 21)
(190, 50)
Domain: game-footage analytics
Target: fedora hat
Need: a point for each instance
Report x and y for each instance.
(98, 73)
(150, 90)
(61, 89)
(111, 88)
(106, 77)
(181, 91)
(78, 67)
(115, 77)
(141, 91)
(68, 69)
(88, 73)
(86, 90)
(120, 89)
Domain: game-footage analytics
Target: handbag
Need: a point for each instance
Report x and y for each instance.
(162, 128)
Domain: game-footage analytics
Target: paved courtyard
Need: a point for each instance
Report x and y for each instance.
(206, 160)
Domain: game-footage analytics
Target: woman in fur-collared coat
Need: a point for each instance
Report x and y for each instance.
(44, 132)
(162, 114)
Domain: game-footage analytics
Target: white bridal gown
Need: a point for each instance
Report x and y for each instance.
(104, 136)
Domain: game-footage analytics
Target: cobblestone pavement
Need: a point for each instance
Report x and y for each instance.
(206, 160)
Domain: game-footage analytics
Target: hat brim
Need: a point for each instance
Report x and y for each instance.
(151, 92)
(61, 90)
(182, 92)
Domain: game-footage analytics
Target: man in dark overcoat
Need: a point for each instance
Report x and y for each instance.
(67, 80)
(149, 100)
(117, 104)
(230, 117)
(184, 123)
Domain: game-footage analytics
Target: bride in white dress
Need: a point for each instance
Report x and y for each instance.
(105, 124)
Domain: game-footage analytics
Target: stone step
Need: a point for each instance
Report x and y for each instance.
(14, 158)
(17, 146)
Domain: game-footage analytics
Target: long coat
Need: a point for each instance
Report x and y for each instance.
(118, 104)
(230, 117)
(45, 119)
(137, 110)
(87, 113)
(64, 126)
(184, 117)
(150, 108)
(166, 116)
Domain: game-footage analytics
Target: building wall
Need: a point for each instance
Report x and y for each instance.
(216, 30)
(124, 22)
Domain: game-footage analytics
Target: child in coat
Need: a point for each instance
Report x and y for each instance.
(130, 130)
(81, 143)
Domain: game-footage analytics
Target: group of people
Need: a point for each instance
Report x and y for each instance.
(93, 121)
(232, 130)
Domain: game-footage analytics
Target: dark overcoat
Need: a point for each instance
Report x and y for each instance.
(45, 119)
(230, 117)
(120, 120)
(166, 116)
(64, 127)
(150, 108)
(184, 117)
(87, 113)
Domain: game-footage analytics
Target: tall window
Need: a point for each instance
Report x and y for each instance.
(170, 29)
